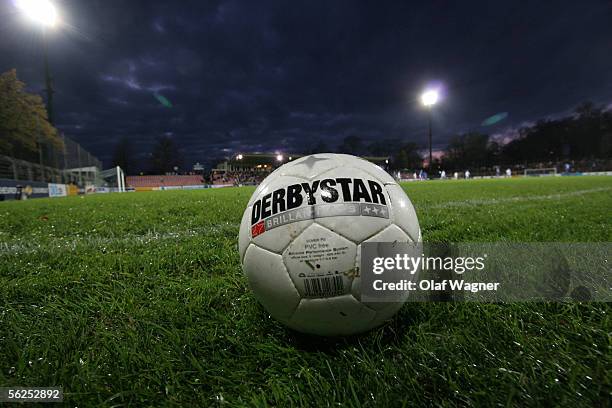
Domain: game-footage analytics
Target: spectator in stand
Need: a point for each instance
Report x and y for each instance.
(238, 177)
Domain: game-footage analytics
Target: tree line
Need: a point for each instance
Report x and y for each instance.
(164, 157)
(586, 133)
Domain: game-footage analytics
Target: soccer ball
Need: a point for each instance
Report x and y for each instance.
(300, 241)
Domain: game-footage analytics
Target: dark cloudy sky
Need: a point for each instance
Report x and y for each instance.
(279, 76)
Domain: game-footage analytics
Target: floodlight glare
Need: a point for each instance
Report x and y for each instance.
(41, 11)
(279, 157)
(239, 157)
(429, 97)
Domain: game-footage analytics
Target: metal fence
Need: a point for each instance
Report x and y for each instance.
(74, 156)
(68, 163)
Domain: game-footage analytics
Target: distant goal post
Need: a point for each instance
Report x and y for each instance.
(549, 171)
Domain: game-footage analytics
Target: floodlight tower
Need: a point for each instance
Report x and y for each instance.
(42, 12)
(429, 98)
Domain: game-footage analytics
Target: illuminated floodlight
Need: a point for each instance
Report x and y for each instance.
(239, 157)
(279, 157)
(429, 97)
(41, 11)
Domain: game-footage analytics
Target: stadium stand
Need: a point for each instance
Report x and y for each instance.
(245, 169)
(252, 168)
(239, 177)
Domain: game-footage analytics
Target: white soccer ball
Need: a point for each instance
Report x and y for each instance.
(301, 235)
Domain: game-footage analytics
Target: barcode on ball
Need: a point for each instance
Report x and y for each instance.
(324, 286)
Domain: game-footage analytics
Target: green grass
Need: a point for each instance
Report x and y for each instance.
(138, 299)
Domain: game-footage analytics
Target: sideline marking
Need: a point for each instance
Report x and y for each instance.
(470, 203)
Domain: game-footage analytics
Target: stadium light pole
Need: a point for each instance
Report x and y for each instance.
(43, 12)
(429, 98)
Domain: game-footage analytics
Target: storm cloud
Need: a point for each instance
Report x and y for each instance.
(280, 76)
